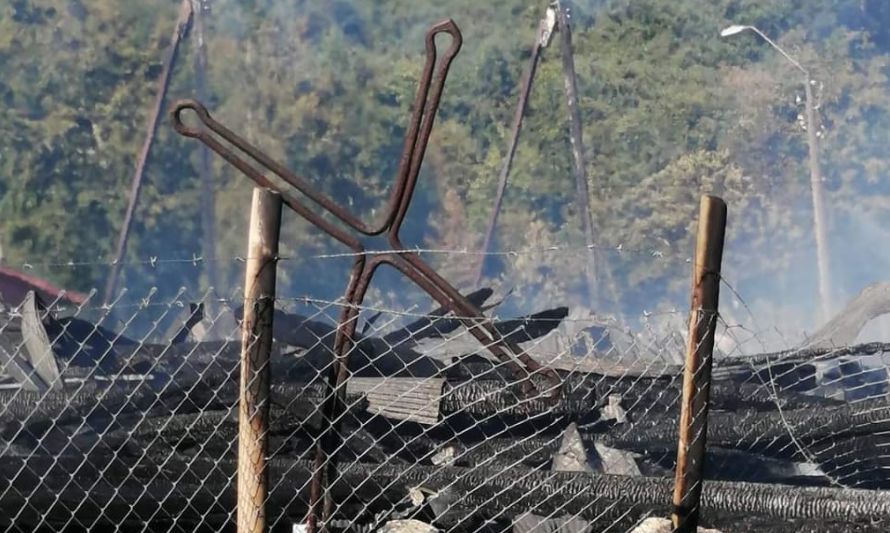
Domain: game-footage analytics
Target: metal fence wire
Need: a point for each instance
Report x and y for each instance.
(139, 432)
(124, 416)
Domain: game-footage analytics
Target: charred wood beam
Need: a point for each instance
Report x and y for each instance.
(542, 38)
(100, 347)
(296, 406)
(433, 324)
(216, 432)
(183, 25)
(742, 367)
(654, 459)
(89, 398)
(854, 461)
(776, 434)
(208, 200)
(485, 492)
(582, 195)
(582, 396)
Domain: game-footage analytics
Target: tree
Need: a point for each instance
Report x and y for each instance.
(669, 110)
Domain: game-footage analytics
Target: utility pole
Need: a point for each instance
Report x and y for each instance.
(183, 24)
(819, 230)
(818, 205)
(575, 131)
(208, 202)
(542, 38)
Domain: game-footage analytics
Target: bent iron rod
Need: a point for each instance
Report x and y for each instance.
(411, 265)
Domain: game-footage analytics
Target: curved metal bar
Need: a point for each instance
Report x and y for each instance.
(254, 153)
(412, 157)
(426, 105)
(413, 267)
(248, 169)
(423, 107)
(335, 402)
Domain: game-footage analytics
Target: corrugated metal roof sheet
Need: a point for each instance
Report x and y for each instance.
(14, 285)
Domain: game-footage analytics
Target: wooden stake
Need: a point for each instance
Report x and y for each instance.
(256, 345)
(699, 356)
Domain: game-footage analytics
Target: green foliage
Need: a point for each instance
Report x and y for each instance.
(670, 111)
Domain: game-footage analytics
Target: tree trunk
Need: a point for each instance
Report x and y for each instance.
(843, 330)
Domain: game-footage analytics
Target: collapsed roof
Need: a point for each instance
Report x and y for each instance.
(14, 286)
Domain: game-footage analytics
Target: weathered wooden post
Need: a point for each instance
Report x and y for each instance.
(699, 356)
(256, 346)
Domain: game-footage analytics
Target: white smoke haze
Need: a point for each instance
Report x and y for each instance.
(293, 77)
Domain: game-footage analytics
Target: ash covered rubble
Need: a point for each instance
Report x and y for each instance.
(149, 431)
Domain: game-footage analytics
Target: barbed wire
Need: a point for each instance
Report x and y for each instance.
(197, 260)
(179, 300)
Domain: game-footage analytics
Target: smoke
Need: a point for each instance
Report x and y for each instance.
(289, 67)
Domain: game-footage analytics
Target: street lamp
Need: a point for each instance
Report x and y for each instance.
(734, 29)
(815, 170)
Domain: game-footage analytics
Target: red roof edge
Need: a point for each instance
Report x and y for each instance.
(47, 289)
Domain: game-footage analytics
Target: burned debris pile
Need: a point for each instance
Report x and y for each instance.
(103, 429)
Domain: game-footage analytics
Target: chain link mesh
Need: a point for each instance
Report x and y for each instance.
(124, 416)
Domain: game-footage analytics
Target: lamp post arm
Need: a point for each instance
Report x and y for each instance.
(781, 51)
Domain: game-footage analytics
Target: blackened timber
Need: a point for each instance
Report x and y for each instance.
(487, 492)
(89, 398)
(434, 324)
(770, 433)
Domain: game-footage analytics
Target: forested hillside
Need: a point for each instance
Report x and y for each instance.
(670, 111)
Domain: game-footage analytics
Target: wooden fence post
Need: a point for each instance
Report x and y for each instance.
(256, 346)
(699, 356)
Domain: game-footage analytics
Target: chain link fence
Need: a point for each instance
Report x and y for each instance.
(124, 417)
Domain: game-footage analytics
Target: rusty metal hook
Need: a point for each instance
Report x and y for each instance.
(416, 136)
(425, 108)
(427, 100)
